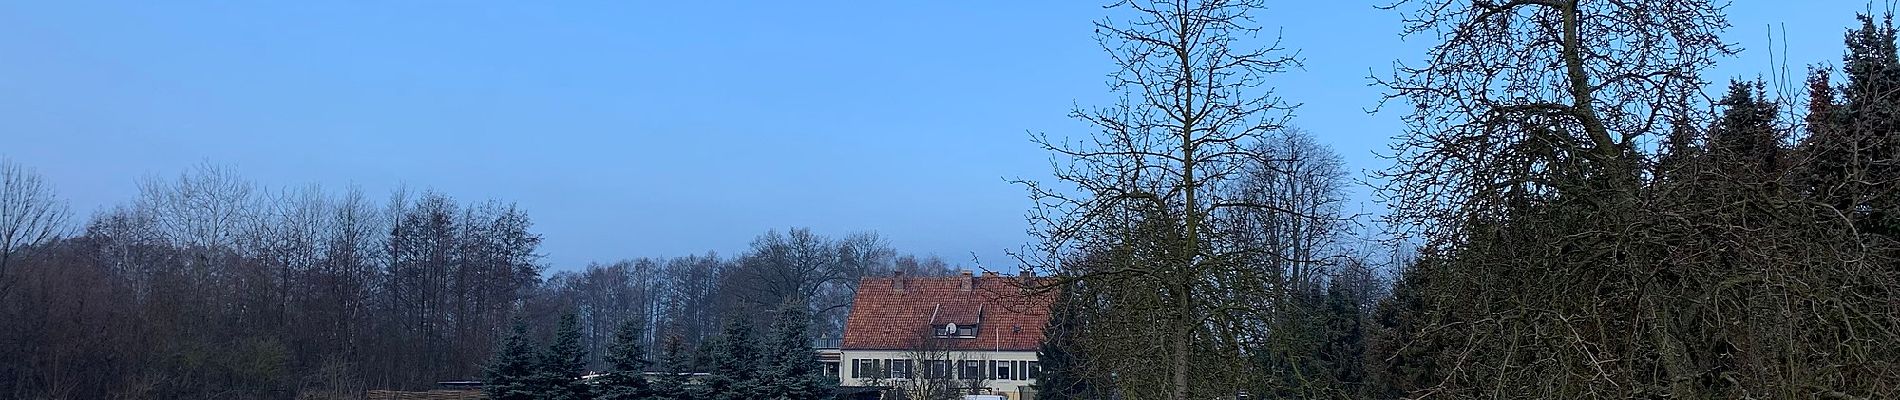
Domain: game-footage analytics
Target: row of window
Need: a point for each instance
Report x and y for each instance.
(872, 368)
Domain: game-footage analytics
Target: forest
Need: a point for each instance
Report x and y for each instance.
(211, 286)
(1574, 209)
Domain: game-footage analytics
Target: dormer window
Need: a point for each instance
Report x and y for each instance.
(952, 330)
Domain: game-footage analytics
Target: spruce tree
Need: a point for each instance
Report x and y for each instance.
(511, 370)
(676, 361)
(1345, 347)
(559, 375)
(1400, 358)
(627, 364)
(1870, 125)
(791, 372)
(1745, 141)
(1062, 375)
(735, 363)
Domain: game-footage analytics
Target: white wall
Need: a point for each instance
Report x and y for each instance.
(1007, 387)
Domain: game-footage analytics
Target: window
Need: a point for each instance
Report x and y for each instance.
(971, 370)
(900, 369)
(956, 330)
(865, 368)
(1002, 371)
(1033, 370)
(936, 369)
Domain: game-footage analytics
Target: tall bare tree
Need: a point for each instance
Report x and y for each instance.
(1192, 79)
(30, 213)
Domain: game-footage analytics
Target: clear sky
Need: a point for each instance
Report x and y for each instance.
(632, 129)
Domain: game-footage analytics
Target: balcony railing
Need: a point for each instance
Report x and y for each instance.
(826, 343)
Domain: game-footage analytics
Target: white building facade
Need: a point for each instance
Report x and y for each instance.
(965, 334)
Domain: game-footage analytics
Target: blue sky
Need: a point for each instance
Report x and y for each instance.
(633, 129)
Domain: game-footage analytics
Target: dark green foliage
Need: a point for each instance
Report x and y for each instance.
(791, 371)
(734, 369)
(702, 355)
(1854, 142)
(627, 364)
(559, 375)
(1745, 140)
(676, 361)
(1292, 353)
(1343, 356)
(1397, 362)
(1741, 268)
(511, 371)
(1679, 146)
(1063, 373)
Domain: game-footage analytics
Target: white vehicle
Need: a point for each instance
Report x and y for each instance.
(984, 397)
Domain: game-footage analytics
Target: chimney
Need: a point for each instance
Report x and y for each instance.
(897, 281)
(963, 281)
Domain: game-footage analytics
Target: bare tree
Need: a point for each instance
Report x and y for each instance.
(210, 206)
(938, 365)
(804, 266)
(1522, 98)
(1524, 162)
(1193, 102)
(30, 213)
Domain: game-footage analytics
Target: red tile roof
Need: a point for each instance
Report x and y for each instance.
(896, 313)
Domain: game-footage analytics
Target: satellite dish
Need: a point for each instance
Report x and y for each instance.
(950, 328)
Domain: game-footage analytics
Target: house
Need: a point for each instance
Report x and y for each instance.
(974, 335)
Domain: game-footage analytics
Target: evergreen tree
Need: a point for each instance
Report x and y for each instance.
(1745, 141)
(702, 356)
(1345, 346)
(1825, 174)
(1400, 359)
(1294, 343)
(511, 371)
(1869, 126)
(1061, 361)
(791, 373)
(1679, 148)
(735, 358)
(676, 360)
(559, 376)
(627, 364)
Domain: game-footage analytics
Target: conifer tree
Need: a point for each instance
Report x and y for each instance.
(627, 364)
(1744, 139)
(1061, 361)
(559, 375)
(1398, 360)
(734, 357)
(676, 361)
(1870, 124)
(1345, 347)
(791, 372)
(511, 371)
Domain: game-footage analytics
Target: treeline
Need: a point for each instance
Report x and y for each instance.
(738, 365)
(210, 286)
(1586, 224)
